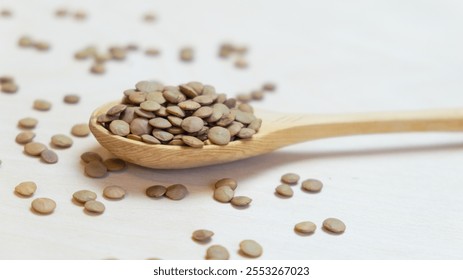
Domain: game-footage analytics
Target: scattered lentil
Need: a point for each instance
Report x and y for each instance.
(27, 188)
(241, 201)
(34, 148)
(290, 178)
(61, 141)
(186, 54)
(28, 122)
(97, 68)
(42, 105)
(176, 192)
(71, 98)
(268, 86)
(334, 225)
(232, 183)
(224, 194)
(156, 191)
(202, 235)
(94, 206)
(115, 164)
(152, 52)
(95, 169)
(9, 87)
(25, 42)
(80, 130)
(217, 252)
(83, 196)
(49, 156)
(90, 156)
(42, 46)
(284, 190)
(241, 63)
(25, 137)
(251, 248)
(114, 192)
(43, 205)
(305, 227)
(312, 185)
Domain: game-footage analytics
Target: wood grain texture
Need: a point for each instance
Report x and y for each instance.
(278, 130)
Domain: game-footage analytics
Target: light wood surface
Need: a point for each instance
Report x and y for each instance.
(400, 195)
(278, 130)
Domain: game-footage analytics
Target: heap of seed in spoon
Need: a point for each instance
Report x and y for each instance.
(190, 114)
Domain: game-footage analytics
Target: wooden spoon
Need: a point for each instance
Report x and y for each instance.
(278, 130)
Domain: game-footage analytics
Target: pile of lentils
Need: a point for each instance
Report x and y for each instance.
(190, 114)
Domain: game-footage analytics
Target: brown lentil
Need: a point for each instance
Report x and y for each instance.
(156, 191)
(9, 87)
(95, 169)
(114, 192)
(25, 137)
(28, 123)
(49, 156)
(43, 205)
(34, 148)
(334, 225)
(290, 178)
(305, 227)
(94, 206)
(90, 156)
(42, 105)
(61, 141)
(240, 201)
(25, 42)
(176, 192)
(312, 185)
(217, 252)
(202, 235)
(98, 68)
(241, 63)
(284, 190)
(42, 46)
(83, 196)
(119, 127)
(27, 188)
(114, 164)
(269, 86)
(224, 194)
(192, 141)
(251, 248)
(232, 183)
(80, 130)
(71, 99)
(186, 54)
(152, 52)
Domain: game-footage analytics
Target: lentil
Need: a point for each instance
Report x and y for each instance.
(156, 191)
(176, 192)
(43, 205)
(217, 252)
(305, 227)
(83, 196)
(114, 192)
(27, 188)
(334, 225)
(251, 248)
(49, 156)
(94, 206)
(290, 178)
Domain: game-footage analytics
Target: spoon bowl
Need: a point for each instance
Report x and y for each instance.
(278, 130)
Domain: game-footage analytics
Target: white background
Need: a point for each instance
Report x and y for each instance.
(399, 195)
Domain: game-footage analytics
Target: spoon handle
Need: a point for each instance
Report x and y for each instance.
(298, 128)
